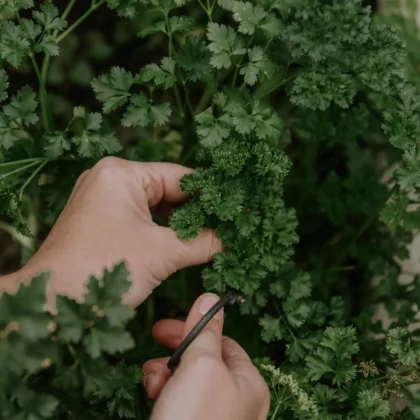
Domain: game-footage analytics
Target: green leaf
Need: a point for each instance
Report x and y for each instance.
(8, 135)
(113, 89)
(35, 405)
(248, 16)
(49, 18)
(181, 24)
(271, 328)
(14, 45)
(224, 44)
(109, 340)
(48, 45)
(158, 26)
(194, 58)
(16, 4)
(94, 141)
(370, 405)
(212, 131)
(71, 319)
(141, 112)
(163, 75)
(24, 312)
(22, 107)
(188, 220)
(319, 87)
(401, 346)
(31, 29)
(138, 112)
(297, 312)
(160, 113)
(333, 356)
(55, 144)
(255, 66)
(4, 84)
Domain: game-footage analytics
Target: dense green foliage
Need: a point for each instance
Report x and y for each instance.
(302, 119)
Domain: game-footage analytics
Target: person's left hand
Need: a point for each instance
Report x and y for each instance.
(107, 220)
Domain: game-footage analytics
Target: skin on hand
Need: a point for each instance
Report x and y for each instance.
(107, 219)
(215, 379)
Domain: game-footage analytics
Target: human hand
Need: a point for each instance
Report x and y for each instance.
(108, 219)
(215, 379)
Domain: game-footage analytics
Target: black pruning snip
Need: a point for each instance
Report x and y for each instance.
(230, 299)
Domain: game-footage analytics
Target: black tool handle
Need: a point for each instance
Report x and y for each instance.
(230, 298)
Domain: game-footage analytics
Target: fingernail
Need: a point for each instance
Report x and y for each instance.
(206, 303)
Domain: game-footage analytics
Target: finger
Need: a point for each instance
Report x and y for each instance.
(161, 181)
(209, 340)
(199, 250)
(156, 374)
(168, 332)
(80, 181)
(234, 356)
(249, 380)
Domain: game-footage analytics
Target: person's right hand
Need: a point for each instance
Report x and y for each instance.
(215, 380)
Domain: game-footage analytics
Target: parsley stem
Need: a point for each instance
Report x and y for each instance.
(238, 65)
(176, 91)
(67, 10)
(28, 181)
(19, 162)
(43, 96)
(16, 171)
(187, 99)
(259, 95)
(372, 218)
(273, 417)
(79, 21)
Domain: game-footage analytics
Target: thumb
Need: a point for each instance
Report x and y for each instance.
(199, 250)
(209, 340)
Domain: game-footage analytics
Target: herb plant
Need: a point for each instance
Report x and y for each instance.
(302, 119)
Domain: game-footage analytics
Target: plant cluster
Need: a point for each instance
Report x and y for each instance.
(302, 119)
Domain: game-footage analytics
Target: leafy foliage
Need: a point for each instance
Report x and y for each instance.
(294, 114)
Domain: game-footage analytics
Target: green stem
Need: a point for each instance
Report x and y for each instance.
(28, 181)
(79, 21)
(43, 96)
(176, 90)
(187, 99)
(273, 417)
(18, 162)
(283, 82)
(344, 268)
(238, 66)
(16, 171)
(67, 10)
(374, 215)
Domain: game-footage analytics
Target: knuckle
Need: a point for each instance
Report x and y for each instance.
(107, 169)
(108, 162)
